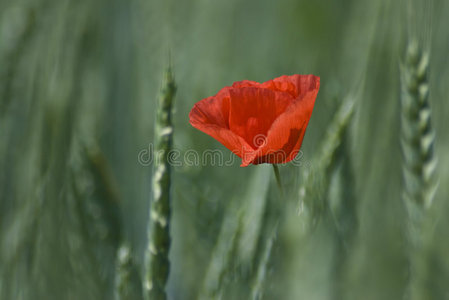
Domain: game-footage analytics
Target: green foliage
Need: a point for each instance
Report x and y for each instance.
(79, 86)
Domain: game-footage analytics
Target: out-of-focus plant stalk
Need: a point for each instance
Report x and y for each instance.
(315, 183)
(342, 214)
(222, 263)
(277, 176)
(240, 242)
(327, 192)
(157, 261)
(15, 47)
(418, 163)
(126, 280)
(260, 276)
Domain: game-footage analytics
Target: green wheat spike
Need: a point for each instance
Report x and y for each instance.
(122, 274)
(419, 162)
(157, 261)
(315, 180)
(126, 283)
(417, 134)
(327, 192)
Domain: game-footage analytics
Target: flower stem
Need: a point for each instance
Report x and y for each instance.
(278, 178)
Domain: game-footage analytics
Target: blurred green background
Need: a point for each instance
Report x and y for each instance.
(79, 81)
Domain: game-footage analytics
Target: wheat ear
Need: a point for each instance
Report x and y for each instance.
(157, 260)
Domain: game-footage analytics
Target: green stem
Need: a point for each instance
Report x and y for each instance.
(277, 175)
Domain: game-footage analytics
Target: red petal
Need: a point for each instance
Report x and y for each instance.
(211, 116)
(212, 110)
(245, 83)
(260, 122)
(285, 136)
(253, 111)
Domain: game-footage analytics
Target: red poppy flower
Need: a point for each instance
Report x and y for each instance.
(259, 122)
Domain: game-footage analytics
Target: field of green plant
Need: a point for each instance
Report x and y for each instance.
(107, 191)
